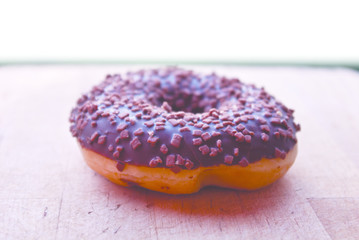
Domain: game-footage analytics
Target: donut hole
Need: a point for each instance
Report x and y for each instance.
(183, 99)
(187, 104)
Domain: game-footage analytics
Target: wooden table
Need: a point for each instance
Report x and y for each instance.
(48, 192)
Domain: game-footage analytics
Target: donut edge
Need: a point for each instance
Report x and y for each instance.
(252, 177)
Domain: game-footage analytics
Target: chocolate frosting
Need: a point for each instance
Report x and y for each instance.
(177, 119)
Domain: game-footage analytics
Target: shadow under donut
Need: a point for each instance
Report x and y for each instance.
(210, 201)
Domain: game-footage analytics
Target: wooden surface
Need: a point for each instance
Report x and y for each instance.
(47, 191)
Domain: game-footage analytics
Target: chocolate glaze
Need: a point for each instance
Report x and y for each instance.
(181, 120)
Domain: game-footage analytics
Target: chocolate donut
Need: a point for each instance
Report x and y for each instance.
(175, 131)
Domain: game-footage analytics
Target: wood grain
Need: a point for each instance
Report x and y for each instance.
(48, 192)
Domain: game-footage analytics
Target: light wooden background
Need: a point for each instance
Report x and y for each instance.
(47, 191)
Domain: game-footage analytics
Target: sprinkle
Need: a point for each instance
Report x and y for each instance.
(267, 114)
(138, 132)
(116, 154)
(204, 149)
(214, 152)
(101, 139)
(284, 123)
(265, 128)
(180, 160)
(197, 133)
(236, 152)
(174, 122)
(218, 126)
(170, 160)
(94, 136)
(216, 134)
(227, 123)
(176, 140)
(244, 162)
(248, 138)
(164, 149)
(279, 154)
(262, 120)
(243, 119)
(219, 143)
(93, 124)
(198, 125)
(189, 164)
(131, 120)
(153, 140)
(166, 106)
(230, 130)
(120, 166)
(110, 148)
(184, 129)
(119, 148)
(264, 137)
(206, 136)
(228, 159)
(124, 134)
(149, 123)
(208, 121)
(182, 122)
(159, 128)
(123, 115)
(245, 132)
(135, 143)
(105, 114)
(205, 126)
(197, 141)
(275, 121)
(155, 161)
(121, 127)
(239, 137)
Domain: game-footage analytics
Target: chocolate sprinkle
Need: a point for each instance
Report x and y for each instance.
(204, 149)
(138, 132)
(244, 162)
(164, 149)
(155, 161)
(101, 139)
(206, 136)
(236, 152)
(189, 164)
(120, 166)
(170, 160)
(228, 159)
(176, 140)
(182, 110)
(124, 134)
(135, 143)
(153, 140)
(121, 127)
(197, 141)
(197, 133)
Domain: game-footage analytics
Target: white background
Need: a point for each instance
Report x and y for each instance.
(209, 31)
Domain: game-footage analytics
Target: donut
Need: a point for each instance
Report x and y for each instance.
(176, 131)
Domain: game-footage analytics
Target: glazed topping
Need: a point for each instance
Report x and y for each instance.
(181, 120)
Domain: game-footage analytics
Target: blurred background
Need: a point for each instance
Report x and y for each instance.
(180, 32)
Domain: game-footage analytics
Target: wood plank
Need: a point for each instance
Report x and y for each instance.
(42, 171)
(339, 216)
